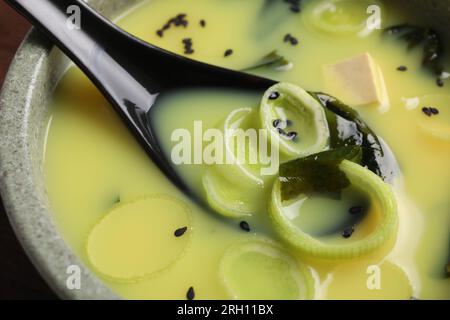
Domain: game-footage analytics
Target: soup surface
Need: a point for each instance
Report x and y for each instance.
(146, 240)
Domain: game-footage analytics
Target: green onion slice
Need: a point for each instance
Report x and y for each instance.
(362, 178)
(261, 270)
(229, 199)
(341, 17)
(295, 120)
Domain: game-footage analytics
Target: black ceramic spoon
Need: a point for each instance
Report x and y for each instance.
(129, 72)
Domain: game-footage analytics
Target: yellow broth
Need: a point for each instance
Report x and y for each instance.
(95, 169)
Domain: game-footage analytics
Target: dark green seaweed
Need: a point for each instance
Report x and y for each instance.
(433, 48)
(347, 128)
(272, 60)
(318, 173)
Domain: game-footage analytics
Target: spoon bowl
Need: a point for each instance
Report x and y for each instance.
(129, 72)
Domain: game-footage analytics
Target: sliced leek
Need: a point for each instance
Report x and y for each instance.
(232, 188)
(343, 17)
(227, 199)
(241, 149)
(260, 269)
(294, 120)
(125, 245)
(362, 178)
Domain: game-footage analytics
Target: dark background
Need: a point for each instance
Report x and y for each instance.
(18, 278)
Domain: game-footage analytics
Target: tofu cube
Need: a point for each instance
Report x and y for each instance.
(357, 81)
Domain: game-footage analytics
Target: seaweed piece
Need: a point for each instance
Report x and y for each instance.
(318, 173)
(414, 38)
(347, 128)
(433, 49)
(272, 60)
(399, 28)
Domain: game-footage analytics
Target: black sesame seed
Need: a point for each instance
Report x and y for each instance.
(440, 82)
(291, 135)
(294, 5)
(427, 111)
(355, 210)
(187, 46)
(276, 123)
(244, 226)
(434, 111)
(274, 95)
(348, 232)
(180, 231)
(288, 123)
(190, 294)
(281, 131)
(287, 37)
(402, 68)
(178, 20)
(203, 23)
(228, 52)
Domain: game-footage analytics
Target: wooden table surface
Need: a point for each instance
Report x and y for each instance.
(18, 277)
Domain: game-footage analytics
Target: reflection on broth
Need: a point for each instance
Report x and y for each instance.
(325, 225)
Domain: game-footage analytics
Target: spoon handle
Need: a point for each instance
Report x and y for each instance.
(108, 56)
(96, 45)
